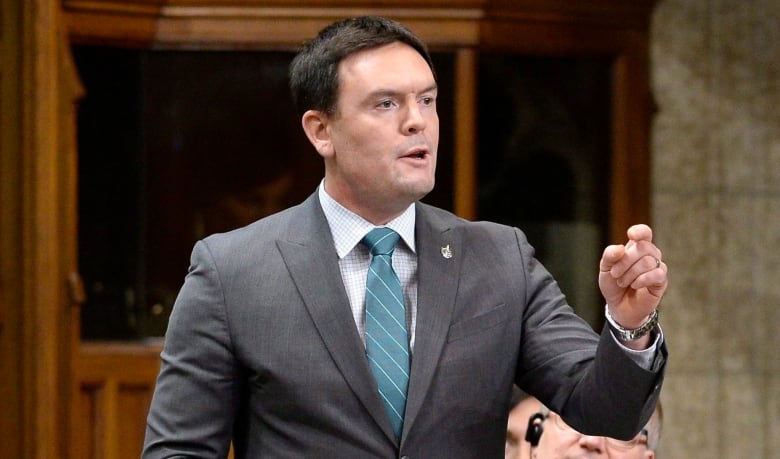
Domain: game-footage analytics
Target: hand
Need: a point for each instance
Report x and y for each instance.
(632, 277)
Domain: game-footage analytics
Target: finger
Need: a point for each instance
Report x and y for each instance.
(647, 271)
(611, 255)
(637, 236)
(634, 253)
(640, 232)
(654, 282)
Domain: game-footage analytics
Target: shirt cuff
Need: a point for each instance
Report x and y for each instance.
(646, 357)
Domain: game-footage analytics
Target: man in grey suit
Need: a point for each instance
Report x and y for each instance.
(269, 344)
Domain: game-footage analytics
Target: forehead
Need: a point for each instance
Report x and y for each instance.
(394, 63)
(525, 409)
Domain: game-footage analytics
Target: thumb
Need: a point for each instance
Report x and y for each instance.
(610, 256)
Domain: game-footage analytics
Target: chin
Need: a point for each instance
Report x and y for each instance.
(415, 191)
(422, 193)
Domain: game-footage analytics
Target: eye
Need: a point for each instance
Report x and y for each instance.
(428, 100)
(385, 104)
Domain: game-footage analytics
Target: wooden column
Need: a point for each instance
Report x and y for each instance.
(10, 236)
(466, 133)
(42, 225)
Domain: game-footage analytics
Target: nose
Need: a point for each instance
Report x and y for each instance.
(414, 121)
(594, 444)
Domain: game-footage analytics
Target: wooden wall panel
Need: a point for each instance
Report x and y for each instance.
(83, 425)
(115, 386)
(133, 404)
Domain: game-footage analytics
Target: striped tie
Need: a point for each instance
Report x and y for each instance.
(387, 345)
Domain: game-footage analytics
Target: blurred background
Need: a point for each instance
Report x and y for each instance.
(129, 129)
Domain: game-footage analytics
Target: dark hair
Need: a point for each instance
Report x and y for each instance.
(314, 80)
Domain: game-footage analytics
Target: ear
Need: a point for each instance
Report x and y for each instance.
(315, 125)
(649, 454)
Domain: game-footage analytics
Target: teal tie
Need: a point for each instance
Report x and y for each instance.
(387, 344)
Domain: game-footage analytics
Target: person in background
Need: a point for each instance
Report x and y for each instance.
(523, 406)
(363, 323)
(549, 437)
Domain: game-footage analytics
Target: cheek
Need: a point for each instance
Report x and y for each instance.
(367, 144)
(555, 442)
(364, 160)
(434, 122)
(432, 125)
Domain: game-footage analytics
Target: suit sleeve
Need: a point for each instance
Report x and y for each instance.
(593, 383)
(197, 391)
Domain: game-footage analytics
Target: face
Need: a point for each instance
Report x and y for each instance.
(559, 441)
(380, 145)
(517, 424)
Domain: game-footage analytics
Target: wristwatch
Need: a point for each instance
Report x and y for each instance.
(629, 334)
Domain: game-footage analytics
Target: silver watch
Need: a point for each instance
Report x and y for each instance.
(628, 334)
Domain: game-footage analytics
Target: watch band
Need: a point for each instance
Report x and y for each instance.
(628, 334)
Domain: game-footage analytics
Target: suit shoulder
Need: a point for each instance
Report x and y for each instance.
(445, 219)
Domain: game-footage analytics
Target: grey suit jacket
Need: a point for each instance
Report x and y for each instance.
(262, 349)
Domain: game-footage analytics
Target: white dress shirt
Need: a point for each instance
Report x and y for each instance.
(348, 229)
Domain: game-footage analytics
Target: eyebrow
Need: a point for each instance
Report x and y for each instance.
(393, 92)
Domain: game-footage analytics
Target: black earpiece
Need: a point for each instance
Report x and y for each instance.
(534, 432)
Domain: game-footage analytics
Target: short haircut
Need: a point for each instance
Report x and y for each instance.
(314, 78)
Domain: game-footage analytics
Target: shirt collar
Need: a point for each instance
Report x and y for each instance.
(348, 228)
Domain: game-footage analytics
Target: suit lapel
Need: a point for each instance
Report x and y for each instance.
(311, 258)
(438, 265)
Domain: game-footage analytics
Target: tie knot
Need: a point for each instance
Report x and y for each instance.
(381, 241)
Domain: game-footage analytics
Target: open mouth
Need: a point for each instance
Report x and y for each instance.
(417, 154)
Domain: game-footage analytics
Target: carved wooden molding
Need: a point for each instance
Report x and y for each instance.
(268, 24)
(249, 25)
